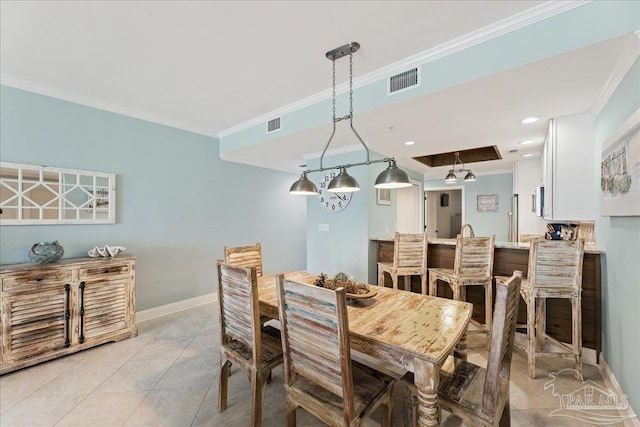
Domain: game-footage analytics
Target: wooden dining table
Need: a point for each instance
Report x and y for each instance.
(412, 331)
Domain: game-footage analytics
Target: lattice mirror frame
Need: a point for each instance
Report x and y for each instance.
(31, 194)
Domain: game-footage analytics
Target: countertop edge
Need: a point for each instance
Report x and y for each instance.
(507, 245)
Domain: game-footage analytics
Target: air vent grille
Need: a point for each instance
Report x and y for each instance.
(273, 125)
(404, 81)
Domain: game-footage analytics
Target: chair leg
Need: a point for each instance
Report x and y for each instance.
(433, 286)
(576, 339)
(488, 310)
(531, 339)
(505, 420)
(394, 279)
(269, 378)
(256, 399)
(223, 382)
(385, 412)
(410, 408)
(423, 283)
(380, 277)
(407, 283)
(290, 414)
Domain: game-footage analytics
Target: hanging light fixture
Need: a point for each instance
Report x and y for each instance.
(392, 177)
(451, 177)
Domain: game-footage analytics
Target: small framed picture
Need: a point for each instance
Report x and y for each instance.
(487, 202)
(383, 196)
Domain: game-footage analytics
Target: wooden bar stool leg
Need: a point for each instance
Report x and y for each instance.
(433, 286)
(394, 279)
(541, 327)
(407, 283)
(576, 339)
(531, 338)
(380, 277)
(423, 283)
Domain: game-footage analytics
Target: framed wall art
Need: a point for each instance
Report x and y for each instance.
(383, 196)
(487, 202)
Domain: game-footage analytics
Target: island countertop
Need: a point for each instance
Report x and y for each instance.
(509, 256)
(507, 245)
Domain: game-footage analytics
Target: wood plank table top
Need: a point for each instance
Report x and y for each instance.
(412, 331)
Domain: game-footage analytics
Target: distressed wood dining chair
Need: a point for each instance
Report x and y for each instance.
(319, 374)
(245, 256)
(473, 266)
(409, 258)
(555, 271)
(480, 397)
(255, 349)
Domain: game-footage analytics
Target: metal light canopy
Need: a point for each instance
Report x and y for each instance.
(451, 177)
(392, 177)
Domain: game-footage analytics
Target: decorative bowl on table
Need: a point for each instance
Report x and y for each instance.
(45, 252)
(352, 288)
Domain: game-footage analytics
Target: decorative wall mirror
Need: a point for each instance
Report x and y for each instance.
(32, 194)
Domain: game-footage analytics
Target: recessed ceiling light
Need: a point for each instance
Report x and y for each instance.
(529, 120)
(527, 155)
(409, 143)
(527, 142)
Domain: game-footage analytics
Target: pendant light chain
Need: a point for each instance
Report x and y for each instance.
(334, 90)
(351, 86)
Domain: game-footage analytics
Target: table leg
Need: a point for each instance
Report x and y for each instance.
(426, 379)
(460, 352)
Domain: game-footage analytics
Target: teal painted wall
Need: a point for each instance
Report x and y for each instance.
(620, 236)
(485, 223)
(178, 204)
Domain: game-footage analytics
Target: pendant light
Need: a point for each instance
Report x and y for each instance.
(451, 177)
(392, 177)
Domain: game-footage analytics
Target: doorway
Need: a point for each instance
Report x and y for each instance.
(444, 212)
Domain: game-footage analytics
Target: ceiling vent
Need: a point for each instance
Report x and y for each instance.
(273, 125)
(404, 81)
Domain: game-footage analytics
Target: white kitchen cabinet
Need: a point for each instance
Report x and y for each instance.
(569, 169)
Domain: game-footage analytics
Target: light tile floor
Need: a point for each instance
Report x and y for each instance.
(166, 376)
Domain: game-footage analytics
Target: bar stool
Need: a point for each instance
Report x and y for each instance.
(555, 271)
(473, 266)
(409, 258)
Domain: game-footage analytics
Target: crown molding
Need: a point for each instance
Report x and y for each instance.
(622, 67)
(101, 105)
(497, 29)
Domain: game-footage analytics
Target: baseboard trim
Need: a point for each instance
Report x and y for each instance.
(612, 384)
(163, 310)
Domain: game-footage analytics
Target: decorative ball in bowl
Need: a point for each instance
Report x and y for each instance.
(352, 288)
(45, 252)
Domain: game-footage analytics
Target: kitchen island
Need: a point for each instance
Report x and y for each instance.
(515, 256)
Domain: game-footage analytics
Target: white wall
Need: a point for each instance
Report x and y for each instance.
(527, 175)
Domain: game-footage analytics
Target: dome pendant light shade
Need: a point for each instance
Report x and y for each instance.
(392, 177)
(470, 177)
(343, 183)
(451, 178)
(303, 186)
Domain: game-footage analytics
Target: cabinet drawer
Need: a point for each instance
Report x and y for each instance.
(35, 279)
(105, 270)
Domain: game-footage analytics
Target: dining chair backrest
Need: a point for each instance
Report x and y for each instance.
(474, 256)
(315, 338)
(505, 317)
(239, 307)
(245, 256)
(556, 263)
(410, 250)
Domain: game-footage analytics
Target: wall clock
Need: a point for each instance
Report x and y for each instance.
(331, 202)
